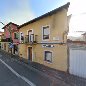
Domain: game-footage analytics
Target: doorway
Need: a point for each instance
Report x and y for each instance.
(15, 50)
(30, 53)
(29, 34)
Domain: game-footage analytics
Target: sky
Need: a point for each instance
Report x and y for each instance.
(78, 19)
(21, 11)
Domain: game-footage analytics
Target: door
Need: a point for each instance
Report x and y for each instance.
(30, 53)
(77, 62)
(14, 50)
(29, 34)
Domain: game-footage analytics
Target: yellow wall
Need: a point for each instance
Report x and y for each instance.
(0, 38)
(59, 57)
(3, 44)
(58, 24)
(23, 51)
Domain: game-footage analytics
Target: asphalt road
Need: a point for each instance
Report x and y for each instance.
(16, 73)
(7, 78)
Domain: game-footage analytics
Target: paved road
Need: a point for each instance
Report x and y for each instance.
(16, 73)
(7, 78)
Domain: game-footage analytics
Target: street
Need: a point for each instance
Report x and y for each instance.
(15, 73)
(7, 78)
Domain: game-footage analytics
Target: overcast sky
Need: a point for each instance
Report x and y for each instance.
(20, 11)
(78, 20)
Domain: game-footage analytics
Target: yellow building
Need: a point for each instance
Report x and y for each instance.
(43, 39)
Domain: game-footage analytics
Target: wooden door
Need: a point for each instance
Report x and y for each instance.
(30, 53)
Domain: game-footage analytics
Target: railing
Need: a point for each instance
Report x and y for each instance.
(31, 39)
(6, 40)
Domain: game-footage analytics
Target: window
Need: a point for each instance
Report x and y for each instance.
(48, 56)
(46, 32)
(22, 36)
(31, 37)
(30, 33)
(15, 35)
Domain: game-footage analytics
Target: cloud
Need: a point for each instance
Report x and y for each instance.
(77, 6)
(78, 10)
(20, 17)
(18, 12)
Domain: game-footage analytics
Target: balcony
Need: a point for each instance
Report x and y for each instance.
(6, 40)
(32, 39)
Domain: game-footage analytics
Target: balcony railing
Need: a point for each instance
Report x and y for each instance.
(6, 40)
(31, 39)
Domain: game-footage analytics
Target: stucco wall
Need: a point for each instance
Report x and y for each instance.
(59, 56)
(23, 51)
(58, 24)
(3, 46)
(7, 33)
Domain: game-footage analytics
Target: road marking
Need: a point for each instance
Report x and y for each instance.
(18, 75)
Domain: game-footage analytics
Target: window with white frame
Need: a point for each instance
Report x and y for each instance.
(16, 35)
(48, 56)
(46, 32)
(22, 36)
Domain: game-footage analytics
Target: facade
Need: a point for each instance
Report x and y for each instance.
(11, 34)
(1, 34)
(43, 39)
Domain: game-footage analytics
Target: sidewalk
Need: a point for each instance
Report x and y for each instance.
(71, 80)
(67, 78)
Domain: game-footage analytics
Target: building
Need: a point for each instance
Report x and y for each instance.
(1, 34)
(11, 34)
(43, 39)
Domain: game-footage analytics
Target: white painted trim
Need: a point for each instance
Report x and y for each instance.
(44, 56)
(20, 37)
(29, 30)
(32, 52)
(49, 33)
(14, 33)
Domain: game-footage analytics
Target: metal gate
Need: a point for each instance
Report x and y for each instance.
(77, 62)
